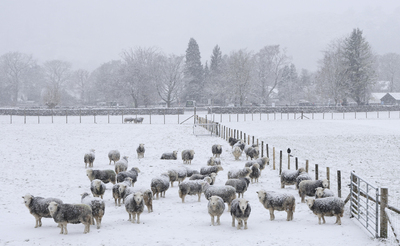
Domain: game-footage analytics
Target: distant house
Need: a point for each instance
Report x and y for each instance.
(391, 99)
(375, 98)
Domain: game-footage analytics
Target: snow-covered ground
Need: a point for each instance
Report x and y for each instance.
(47, 160)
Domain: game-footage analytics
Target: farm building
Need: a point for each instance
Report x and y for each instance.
(391, 99)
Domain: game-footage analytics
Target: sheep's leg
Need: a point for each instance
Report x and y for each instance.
(97, 222)
(133, 217)
(212, 219)
(199, 197)
(65, 229)
(183, 198)
(233, 221)
(245, 224)
(240, 224)
(37, 220)
(130, 218)
(323, 219)
(138, 218)
(229, 207)
(218, 221)
(62, 228)
(271, 214)
(282, 185)
(303, 198)
(338, 220)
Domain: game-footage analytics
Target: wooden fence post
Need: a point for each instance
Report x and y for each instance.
(297, 163)
(328, 177)
(339, 184)
(262, 148)
(273, 159)
(307, 166)
(252, 140)
(316, 171)
(280, 162)
(383, 217)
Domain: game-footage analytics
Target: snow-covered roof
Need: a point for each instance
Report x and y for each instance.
(395, 95)
(376, 97)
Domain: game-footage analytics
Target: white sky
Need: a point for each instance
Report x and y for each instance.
(89, 33)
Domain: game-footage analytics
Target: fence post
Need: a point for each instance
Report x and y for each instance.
(280, 162)
(297, 163)
(339, 184)
(383, 217)
(24, 117)
(262, 148)
(150, 118)
(316, 171)
(273, 154)
(267, 151)
(66, 116)
(252, 140)
(10, 118)
(108, 117)
(80, 115)
(307, 166)
(328, 177)
(244, 134)
(94, 118)
(164, 116)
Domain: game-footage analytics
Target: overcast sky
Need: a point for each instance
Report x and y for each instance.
(88, 33)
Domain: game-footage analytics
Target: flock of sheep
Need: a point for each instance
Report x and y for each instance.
(321, 201)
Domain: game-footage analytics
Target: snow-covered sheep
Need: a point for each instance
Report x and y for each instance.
(119, 194)
(98, 207)
(134, 205)
(160, 185)
(212, 176)
(178, 174)
(263, 161)
(321, 192)
(288, 177)
(308, 187)
(88, 158)
(237, 152)
(232, 141)
(191, 187)
(240, 144)
(239, 173)
(133, 174)
(170, 156)
(71, 213)
(128, 119)
(98, 188)
(121, 165)
(190, 172)
(39, 207)
(226, 192)
(212, 169)
(138, 120)
(213, 161)
(329, 206)
(147, 195)
(114, 156)
(255, 173)
(187, 156)
(252, 151)
(140, 151)
(104, 175)
(277, 201)
(301, 177)
(216, 207)
(240, 185)
(240, 210)
(216, 150)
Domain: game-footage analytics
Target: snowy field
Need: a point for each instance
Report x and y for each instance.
(47, 160)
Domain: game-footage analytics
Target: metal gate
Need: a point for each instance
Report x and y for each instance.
(364, 205)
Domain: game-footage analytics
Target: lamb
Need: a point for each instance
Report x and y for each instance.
(239, 173)
(133, 174)
(71, 213)
(104, 175)
(160, 185)
(98, 188)
(237, 152)
(114, 156)
(212, 176)
(117, 193)
(121, 165)
(212, 169)
(240, 185)
(323, 192)
(216, 149)
(98, 208)
(240, 210)
(134, 205)
(187, 156)
(289, 177)
(253, 152)
(232, 141)
(255, 172)
(170, 156)
(140, 151)
(216, 207)
(89, 158)
(301, 177)
(147, 195)
(329, 206)
(226, 192)
(213, 161)
(191, 187)
(308, 187)
(279, 202)
(38, 207)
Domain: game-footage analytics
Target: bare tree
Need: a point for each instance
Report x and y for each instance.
(106, 83)
(81, 83)
(57, 73)
(171, 79)
(389, 70)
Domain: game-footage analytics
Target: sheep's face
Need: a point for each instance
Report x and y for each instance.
(175, 153)
(319, 192)
(256, 165)
(301, 170)
(52, 208)
(137, 169)
(325, 183)
(220, 168)
(129, 180)
(27, 199)
(141, 145)
(261, 195)
(97, 183)
(310, 202)
(89, 173)
(214, 201)
(243, 205)
(122, 188)
(138, 196)
(213, 175)
(208, 180)
(248, 169)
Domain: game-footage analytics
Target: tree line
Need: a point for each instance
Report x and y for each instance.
(147, 77)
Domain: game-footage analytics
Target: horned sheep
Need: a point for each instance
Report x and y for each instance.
(104, 175)
(71, 213)
(134, 205)
(133, 174)
(121, 165)
(98, 208)
(187, 156)
(288, 177)
(191, 187)
(216, 207)
(321, 192)
(226, 192)
(240, 185)
(160, 185)
(239, 173)
(216, 150)
(308, 187)
(38, 207)
(240, 210)
(89, 157)
(279, 202)
(140, 151)
(170, 156)
(212, 169)
(329, 206)
(114, 156)
(98, 188)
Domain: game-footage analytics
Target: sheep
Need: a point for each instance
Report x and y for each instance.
(212, 176)
(128, 119)
(147, 195)
(288, 177)
(187, 156)
(114, 156)
(133, 174)
(209, 170)
(307, 187)
(98, 188)
(262, 162)
(104, 175)
(239, 173)
(216, 207)
(190, 172)
(301, 177)
(277, 201)
(252, 151)
(38, 207)
(237, 152)
(176, 175)
(71, 213)
(169, 156)
(160, 185)
(117, 193)
(98, 208)
(138, 120)
(240, 144)
(255, 172)
(134, 205)
(240, 185)
(191, 187)
(140, 151)
(232, 141)
(329, 206)
(89, 158)
(121, 165)
(226, 192)
(321, 192)
(216, 150)
(213, 161)
(240, 210)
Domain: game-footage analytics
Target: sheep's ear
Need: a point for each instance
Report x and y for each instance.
(257, 192)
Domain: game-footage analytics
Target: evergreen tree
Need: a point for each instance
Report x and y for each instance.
(289, 87)
(193, 73)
